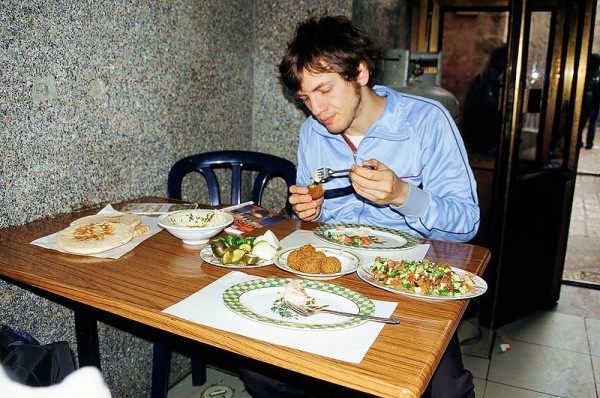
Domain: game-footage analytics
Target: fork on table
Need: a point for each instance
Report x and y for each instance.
(325, 172)
(308, 311)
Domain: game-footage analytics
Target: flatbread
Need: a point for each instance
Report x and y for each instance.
(124, 218)
(140, 230)
(94, 237)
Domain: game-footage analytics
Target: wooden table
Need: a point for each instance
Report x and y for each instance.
(162, 271)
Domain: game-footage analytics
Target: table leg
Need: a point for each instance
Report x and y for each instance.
(86, 331)
(161, 367)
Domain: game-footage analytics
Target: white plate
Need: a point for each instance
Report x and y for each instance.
(350, 260)
(257, 300)
(366, 275)
(391, 239)
(207, 255)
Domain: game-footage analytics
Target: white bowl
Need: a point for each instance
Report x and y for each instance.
(196, 226)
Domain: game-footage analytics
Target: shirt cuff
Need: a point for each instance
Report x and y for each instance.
(416, 203)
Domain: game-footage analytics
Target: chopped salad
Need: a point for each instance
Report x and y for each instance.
(425, 277)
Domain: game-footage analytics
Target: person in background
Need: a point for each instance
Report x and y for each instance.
(591, 102)
(421, 182)
(482, 118)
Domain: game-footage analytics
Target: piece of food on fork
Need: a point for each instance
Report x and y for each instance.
(315, 190)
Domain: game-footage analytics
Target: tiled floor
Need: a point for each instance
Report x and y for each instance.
(219, 384)
(553, 354)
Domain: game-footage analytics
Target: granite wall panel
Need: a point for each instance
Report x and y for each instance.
(97, 100)
(101, 97)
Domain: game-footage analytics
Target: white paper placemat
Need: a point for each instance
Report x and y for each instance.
(49, 242)
(206, 307)
(302, 237)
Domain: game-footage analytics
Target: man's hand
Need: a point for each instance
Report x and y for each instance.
(381, 186)
(305, 207)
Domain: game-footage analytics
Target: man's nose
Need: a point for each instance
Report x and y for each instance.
(318, 106)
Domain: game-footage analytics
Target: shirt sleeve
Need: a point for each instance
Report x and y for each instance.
(446, 207)
(416, 204)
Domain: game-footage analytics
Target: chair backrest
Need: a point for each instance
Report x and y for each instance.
(268, 166)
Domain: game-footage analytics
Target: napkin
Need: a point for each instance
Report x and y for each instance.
(302, 237)
(49, 242)
(206, 307)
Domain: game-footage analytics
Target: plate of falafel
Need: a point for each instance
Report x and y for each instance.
(318, 262)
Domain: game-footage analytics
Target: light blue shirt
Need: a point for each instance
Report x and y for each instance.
(417, 138)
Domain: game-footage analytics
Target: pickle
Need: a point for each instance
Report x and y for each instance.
(245, 247)
(227, 257)
(250, 259)
(237, 255)
(219, 247)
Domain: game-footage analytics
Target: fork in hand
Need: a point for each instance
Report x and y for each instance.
(307, 311)
(325, 172)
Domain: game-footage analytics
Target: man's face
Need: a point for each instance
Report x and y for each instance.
(331, 99)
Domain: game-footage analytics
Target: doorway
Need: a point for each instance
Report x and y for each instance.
(531, 58)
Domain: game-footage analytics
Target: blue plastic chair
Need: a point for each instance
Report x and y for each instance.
(268, 167)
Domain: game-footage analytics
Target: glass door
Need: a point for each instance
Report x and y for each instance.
(518, 69)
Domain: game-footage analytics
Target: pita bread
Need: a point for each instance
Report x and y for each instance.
(140, 230)
(124, 218)
(94, 237)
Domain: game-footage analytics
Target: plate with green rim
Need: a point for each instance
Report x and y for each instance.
(258, 300)
(207, 255)
(382, 238)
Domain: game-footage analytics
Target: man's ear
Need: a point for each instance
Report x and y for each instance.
(363, 73)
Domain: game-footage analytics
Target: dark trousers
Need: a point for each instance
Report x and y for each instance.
(450, 380)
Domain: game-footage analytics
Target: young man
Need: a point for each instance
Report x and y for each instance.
(422, 182)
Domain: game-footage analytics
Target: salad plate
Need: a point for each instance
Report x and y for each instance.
(350, 262)
(207, 255)
(364, 237)
(259, 300)
(366, 274)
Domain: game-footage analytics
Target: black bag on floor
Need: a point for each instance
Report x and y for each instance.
(27, 361)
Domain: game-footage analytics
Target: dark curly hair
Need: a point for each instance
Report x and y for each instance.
(325, 45)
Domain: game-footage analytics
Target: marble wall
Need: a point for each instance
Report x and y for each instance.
(101, 97)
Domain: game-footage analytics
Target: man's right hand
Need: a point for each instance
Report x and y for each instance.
(305, 207)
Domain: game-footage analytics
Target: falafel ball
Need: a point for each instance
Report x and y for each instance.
(331, 265)
(295, 259)
(312, 265)
(316, 191)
